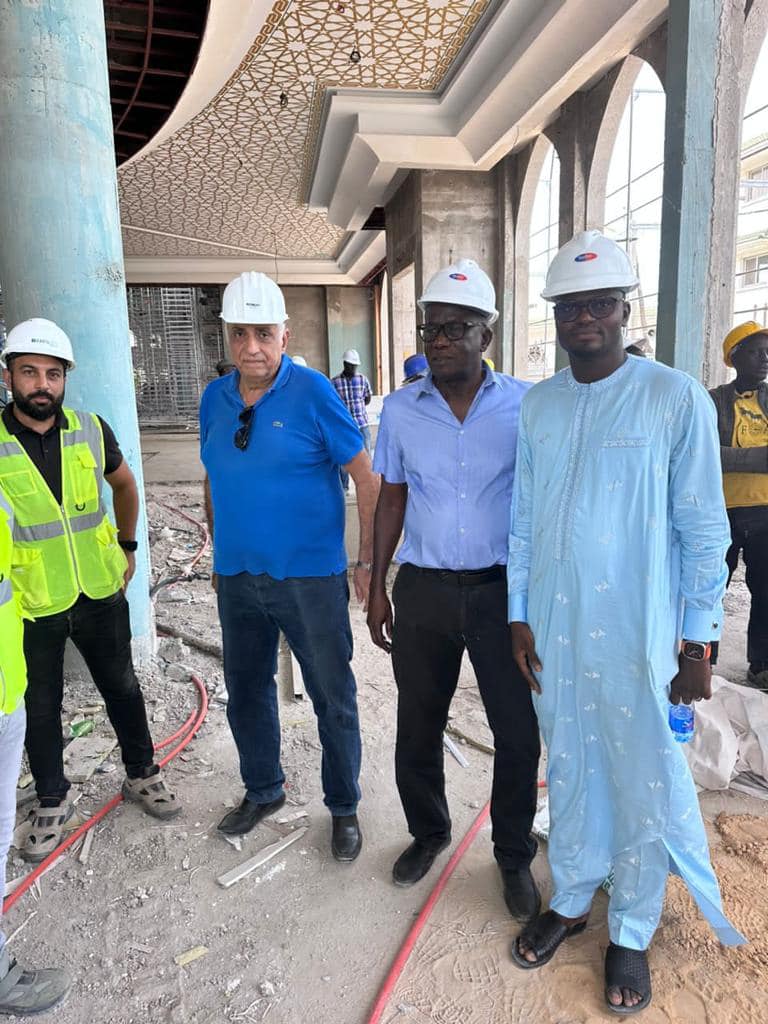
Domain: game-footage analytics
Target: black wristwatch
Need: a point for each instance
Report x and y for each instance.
(129, 545)
(695, 651)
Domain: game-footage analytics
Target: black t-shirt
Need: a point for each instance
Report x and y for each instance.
(45, 449)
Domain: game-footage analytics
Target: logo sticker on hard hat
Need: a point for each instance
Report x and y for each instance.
(458, 277)
(584, 257)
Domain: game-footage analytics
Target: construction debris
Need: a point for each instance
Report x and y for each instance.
(452, 749)
(191, 954)
(84, 755)
(85, 851)
(470, 740)
(236, 874)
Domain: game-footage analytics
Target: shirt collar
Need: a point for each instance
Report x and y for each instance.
(15, 426)
(282, 378)
(426, 386)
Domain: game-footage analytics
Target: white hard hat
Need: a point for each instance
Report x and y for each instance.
(299, 360)
(352, 357)
(39, 337)
(253, 298)
(462, 284)
(589, 263)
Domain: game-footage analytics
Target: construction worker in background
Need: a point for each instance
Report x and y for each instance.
(272, 438)
(299, 360)
(70, 567)
(21, 991)
(354, 390)
(742, 420)
(415, 367)
(446, 453)
(616, 579)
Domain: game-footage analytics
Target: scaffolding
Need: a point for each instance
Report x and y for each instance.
(177, 343)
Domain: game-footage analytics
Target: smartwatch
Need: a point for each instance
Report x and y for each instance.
(695, 651)
(129, 545)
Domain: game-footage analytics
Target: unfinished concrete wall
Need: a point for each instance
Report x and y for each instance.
(350, 314)
(459, 218)
(309, 329)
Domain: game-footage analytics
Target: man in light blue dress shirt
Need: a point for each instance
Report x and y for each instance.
(446, 453)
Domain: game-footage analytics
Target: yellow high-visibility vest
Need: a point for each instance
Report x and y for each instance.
(13, 668)
(61, 551)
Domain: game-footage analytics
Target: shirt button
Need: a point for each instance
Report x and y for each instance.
(462, 495)
(462, 463)
(461, 529)
(461, 432)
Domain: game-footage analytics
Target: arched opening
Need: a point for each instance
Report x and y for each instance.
(633, 196)
(751, 291)
(543, 243)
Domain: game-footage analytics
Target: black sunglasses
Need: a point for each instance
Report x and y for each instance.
(454, 330)
(243, 433)
(598, 309)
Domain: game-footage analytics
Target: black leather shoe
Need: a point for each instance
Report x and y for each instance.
(346, 837)
(520, 893)
(247, 816)
(411, 866)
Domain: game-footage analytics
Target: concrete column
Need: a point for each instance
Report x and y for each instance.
(60, 250)
(701, 171)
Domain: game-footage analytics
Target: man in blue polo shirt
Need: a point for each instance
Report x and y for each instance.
(446, 452)
(273, 436)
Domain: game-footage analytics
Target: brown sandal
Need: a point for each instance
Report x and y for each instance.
(45, 832)
(153, 795)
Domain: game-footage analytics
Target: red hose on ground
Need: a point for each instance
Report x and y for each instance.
(410, 941)
(418, 925)
(195, 720)
(202, 527)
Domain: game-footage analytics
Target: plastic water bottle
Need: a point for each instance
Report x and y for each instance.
(681, 722)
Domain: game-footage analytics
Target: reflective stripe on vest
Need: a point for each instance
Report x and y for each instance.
(61, 551)
(13, 670)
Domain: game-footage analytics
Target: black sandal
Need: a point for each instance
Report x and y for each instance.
(542, 936)
(627, 968)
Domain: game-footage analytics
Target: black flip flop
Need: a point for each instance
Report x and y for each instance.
(627, 968)
(542, 936)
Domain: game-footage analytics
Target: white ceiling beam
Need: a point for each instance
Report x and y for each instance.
(529, 58)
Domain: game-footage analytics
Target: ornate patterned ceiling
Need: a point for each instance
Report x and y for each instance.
(233, 175)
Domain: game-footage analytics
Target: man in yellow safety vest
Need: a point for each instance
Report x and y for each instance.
(70, 566)
(21, 991)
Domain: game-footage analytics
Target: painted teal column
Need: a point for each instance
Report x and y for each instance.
(60, 246)
(701, 174)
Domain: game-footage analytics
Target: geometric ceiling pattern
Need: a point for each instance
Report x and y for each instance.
(234, 174)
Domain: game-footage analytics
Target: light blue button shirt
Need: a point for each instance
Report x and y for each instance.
(459, 475)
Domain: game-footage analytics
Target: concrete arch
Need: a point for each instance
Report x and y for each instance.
(606, 139)
(755, 31)
(532, 163)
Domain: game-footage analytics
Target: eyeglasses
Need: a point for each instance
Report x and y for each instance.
(243, 433)
(454, 330)
(598, 309)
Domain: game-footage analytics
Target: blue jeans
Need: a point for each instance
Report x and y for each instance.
(366, 435)
(313, 614)
(11, 745)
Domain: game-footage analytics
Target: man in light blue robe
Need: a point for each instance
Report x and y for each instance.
(616, 577)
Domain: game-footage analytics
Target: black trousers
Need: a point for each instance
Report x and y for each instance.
(437, 616)
(749, 536)
(101, 631)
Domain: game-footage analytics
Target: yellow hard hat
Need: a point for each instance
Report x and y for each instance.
(491, 363)
(739, 334)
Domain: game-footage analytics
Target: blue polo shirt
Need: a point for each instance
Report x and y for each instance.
(278, 506)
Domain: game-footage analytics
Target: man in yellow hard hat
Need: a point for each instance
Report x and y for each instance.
(21, 992)
(742, 421)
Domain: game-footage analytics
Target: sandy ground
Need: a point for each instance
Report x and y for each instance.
(307, 939)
